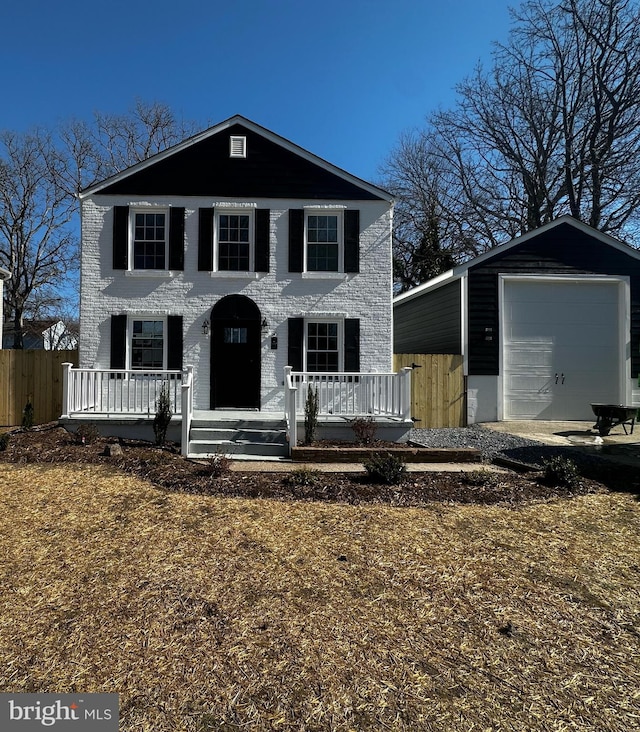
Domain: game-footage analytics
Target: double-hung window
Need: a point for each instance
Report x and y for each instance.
(324, 241)
(323, 346)
(149, 241)
(234, 240)
(147, 344)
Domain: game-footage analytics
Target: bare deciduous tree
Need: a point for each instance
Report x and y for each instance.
(39, 183)
(550, 129)
(35, 244)
(113, 142)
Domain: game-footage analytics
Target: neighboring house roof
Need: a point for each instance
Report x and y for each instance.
(202, 165)
(457, 272)
(48, 334)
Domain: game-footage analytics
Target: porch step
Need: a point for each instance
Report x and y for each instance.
(254, 437)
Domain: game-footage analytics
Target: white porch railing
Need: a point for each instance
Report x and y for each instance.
(114, 392)
(354, 394)
(347, 395)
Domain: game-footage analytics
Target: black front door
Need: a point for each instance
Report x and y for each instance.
(235, 354)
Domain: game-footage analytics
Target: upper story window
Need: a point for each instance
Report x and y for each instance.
(234, 239)
(149, 240)
(323, 242)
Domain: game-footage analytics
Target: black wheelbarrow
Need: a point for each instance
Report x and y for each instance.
(609, 416)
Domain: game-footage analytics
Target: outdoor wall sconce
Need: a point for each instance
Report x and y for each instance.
(264, 325)
(205, 327)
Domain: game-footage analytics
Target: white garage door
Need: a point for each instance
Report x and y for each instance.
(561, 348)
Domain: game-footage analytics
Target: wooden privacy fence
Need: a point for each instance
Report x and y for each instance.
(437, 388)
(35, 375)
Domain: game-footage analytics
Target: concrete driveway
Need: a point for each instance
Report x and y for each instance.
(580, 435)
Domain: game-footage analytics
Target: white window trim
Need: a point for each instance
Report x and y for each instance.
(339, 321)
(166, 274)
(131, 270)
(129, 343)
(324, 274)
(234, 211)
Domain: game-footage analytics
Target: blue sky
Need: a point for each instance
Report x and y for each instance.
(341, 78)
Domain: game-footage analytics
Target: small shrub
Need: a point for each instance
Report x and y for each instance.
(364, 429)
(163, 416)
(385, 468)
(481, 478)
(302, 477)
(561, 471)
(311, 407)
(4, 441)
(217, 466)
(87, 433)
(27, 415)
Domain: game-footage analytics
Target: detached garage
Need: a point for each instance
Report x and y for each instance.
(547, 324)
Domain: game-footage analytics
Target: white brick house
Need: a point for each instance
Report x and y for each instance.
(236, 253)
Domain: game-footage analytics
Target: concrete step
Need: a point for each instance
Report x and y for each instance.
(240, 434)
(209, 448)
(216, 434)
(229, 423)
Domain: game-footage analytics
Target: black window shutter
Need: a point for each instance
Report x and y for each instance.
(352, 240)
(120, 237)
(262, 239)
(352, 344)
(118, 342)
(296, 239)
(205, 239)
(296, 343)
(176, 239)
(174, 342)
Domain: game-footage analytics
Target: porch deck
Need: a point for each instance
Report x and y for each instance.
(123, 403)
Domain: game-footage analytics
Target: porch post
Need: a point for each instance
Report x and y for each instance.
(186, 408)
(66, 396)
(290, 407)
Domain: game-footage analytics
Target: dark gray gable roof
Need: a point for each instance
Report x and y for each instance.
(499, 251)
(273, 168)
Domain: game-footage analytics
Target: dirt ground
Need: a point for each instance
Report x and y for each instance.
(167, 469)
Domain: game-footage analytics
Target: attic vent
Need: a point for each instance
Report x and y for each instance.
(237, 147)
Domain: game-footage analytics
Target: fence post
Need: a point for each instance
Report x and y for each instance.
(66, 395)
(406, 392)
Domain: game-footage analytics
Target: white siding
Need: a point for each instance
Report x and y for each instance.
(279, 294)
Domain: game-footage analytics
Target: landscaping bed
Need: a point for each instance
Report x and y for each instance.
(167, 469)
(347, 453)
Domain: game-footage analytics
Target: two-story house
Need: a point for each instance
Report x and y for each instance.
(233, 255)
